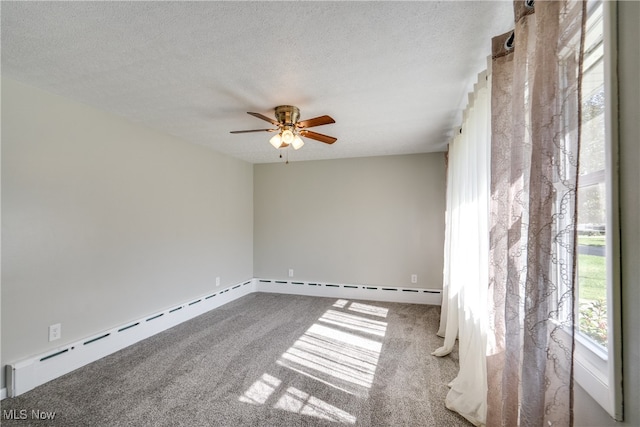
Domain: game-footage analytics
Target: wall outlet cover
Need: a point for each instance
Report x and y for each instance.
(55, 332)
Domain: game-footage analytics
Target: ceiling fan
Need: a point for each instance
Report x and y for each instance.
(289, 128)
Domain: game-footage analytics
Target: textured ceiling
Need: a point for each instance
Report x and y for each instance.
(394, 75)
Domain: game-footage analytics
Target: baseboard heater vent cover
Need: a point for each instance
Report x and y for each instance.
(364, 292)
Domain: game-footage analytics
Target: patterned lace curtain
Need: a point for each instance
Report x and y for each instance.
(535, 140)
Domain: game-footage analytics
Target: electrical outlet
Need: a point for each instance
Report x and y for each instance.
(55, 332)
(414, 278)
(218, 281)
(291, 272)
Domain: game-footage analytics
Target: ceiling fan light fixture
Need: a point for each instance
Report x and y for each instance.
(276, 140)
(289, 128)
(297, 142)
(287, 136)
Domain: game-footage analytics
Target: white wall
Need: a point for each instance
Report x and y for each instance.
(588, 413)
(104, 221)
(374, 220)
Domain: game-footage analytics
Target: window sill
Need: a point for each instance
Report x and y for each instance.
(591, 372)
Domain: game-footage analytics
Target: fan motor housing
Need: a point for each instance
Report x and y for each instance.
(287, 114)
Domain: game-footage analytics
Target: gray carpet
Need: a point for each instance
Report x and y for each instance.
(264, 360)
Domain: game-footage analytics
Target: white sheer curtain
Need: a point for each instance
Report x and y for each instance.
(464, 306)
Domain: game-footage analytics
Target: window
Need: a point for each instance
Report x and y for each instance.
(592, 207)
(598, 366)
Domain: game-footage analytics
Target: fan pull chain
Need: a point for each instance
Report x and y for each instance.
(287, 157)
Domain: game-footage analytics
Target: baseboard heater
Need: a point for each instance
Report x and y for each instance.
(351, 291)
(29, 373)
(32, 372)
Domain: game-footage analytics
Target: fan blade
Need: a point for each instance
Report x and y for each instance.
(318, 136)
(316, 121)
(265, 118)
(254, 130)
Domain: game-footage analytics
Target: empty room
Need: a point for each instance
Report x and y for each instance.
(387, 213)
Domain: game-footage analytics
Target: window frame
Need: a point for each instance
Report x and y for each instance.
(597, 372)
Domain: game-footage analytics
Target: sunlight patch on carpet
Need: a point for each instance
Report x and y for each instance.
(356, 323)
(298, 401)
(341, 303)
(369, 309)
(340, 350)
(327, 352)
(260, 391)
